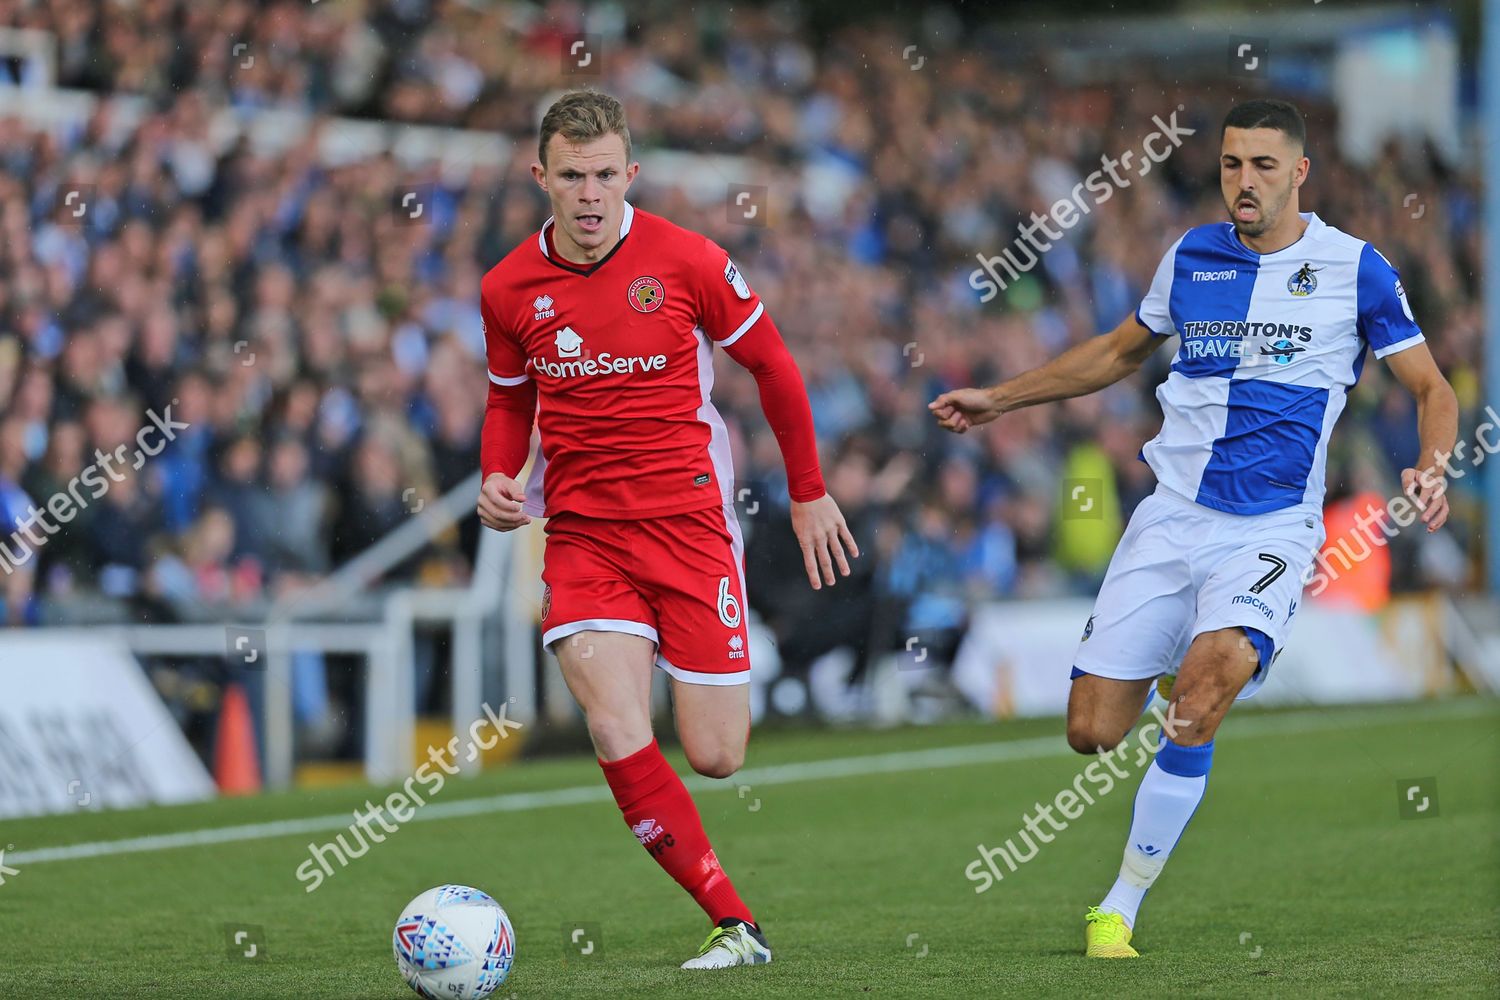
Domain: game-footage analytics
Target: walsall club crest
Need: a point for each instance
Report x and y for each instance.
(1304, 282)
(646, 294)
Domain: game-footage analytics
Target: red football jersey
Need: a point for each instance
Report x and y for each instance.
(622, 355)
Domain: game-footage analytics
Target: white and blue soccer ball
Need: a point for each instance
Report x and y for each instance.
(454, 942)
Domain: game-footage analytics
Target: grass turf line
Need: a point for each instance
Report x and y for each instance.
(1298, 844)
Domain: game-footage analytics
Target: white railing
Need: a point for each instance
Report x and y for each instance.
(388, 645)
(35, 51)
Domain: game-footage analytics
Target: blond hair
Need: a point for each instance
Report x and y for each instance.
(582, 116)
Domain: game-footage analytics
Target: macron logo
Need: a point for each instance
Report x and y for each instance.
(1215, 275)
(568, 342)
(1257, 604)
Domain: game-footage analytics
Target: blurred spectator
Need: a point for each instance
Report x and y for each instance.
(18, 546)
(326, 355)
(372, 505)
(291, 512)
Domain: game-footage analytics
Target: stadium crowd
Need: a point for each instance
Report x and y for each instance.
(326, 355)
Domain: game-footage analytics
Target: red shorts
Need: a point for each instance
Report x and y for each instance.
(677, 580)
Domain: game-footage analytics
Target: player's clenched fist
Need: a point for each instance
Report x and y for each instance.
(500, 500)
(961, 409)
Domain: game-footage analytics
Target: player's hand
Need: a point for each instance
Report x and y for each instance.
(962, 409)
(500, 500)
(823, 535)
(1428, 489)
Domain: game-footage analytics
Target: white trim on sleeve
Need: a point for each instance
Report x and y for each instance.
(760, 307)
(516, 380)
(1399, 346)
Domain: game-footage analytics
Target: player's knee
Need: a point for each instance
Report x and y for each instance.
(1195, 713)
(1193, 719)
(615, 736)
(715, 761)
(1091, 738)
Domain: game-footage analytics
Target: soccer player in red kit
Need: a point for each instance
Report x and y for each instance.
(601, 327)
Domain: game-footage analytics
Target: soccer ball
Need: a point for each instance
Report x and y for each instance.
(454, 943)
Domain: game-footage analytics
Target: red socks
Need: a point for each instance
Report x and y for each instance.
(661, 814)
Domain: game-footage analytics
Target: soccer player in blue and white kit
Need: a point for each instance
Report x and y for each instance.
(1275, 311)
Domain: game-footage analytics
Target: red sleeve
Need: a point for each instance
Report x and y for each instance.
(783, 397)
(505, 441)
(733, 316)
(727, 307)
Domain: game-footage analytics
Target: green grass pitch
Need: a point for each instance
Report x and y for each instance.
(1298, 876)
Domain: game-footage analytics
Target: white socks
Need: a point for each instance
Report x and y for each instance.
(1169, 794)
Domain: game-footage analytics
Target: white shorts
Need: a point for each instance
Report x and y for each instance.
(1182, 569)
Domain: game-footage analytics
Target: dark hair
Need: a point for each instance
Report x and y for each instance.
(1264, 113)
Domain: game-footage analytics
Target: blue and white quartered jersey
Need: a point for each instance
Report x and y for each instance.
(1270, 345)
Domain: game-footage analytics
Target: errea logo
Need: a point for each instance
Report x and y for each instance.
(1229, 275)
(543, 306)
(736, 647)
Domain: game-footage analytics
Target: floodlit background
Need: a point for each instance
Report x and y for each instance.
(241, 253)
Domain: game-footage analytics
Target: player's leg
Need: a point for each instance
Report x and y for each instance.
(610, 675)
(1139, 620)
(1102, 710)
(713, 723)
(604, 634)
(1245, 607)
(1140, 624)
(1214, 670)
(704, 648)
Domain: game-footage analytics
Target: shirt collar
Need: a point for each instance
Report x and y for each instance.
(625, 223)
(1315, 227)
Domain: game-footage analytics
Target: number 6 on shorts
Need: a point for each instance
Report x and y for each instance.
(729, 608)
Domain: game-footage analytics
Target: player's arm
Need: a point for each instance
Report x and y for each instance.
(736, 319)
(1084, 368)
(816, 518)
(505, 439)
(1386, 323)
(1437, 425)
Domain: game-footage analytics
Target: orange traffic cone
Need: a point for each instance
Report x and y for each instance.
(236, 763)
